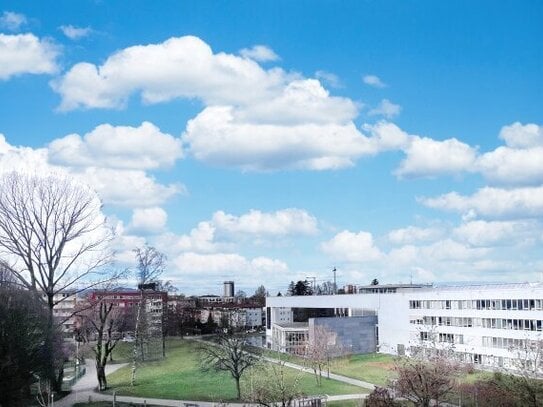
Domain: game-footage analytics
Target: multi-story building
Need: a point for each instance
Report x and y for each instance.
(233, 315)
(485, 324)
(64, 311)
(128, 298)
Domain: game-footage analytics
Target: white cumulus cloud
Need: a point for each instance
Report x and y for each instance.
(426, 157)
(260, 53)
(494, 233)
(373, 80)
(12, 21)
(231, 265)
(143, 147)
(216, 136)
(518, 135)
(490, 202)
(183, 67)
(413, 234)
(352, 247)
(386, 108)
(75, 33)
(149, 220)
(329, 78)
(283, 222)
(26, 54)
(520, 161)
(131, 188)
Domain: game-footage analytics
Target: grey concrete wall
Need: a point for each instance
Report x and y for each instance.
(349, 334)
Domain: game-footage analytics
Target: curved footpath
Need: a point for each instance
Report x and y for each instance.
(84, 390)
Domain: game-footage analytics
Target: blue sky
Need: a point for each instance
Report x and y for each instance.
(265, 142)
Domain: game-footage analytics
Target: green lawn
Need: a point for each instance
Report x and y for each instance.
(286, 357)
(345, 403)
(179, 377)
(375, 368)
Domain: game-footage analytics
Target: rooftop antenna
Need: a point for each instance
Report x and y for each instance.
(411, 277)
(335, 285)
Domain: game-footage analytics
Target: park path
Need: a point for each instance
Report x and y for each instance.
(86, 385)
(339, 378)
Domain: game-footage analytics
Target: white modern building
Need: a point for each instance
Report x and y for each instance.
(485, 324)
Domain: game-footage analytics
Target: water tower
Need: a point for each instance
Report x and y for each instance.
(228, 289)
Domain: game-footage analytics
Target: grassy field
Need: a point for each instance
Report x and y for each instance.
(345, 403)
(180, 377)
(375, 368)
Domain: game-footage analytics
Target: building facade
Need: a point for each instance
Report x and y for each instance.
(67, 303)
(490, 325)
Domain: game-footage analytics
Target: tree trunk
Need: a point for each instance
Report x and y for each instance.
(238, 389)
(54, 377)
(101, 375)
(136, 339)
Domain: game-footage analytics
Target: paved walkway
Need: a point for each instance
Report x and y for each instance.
(339, 378)
(86, 385)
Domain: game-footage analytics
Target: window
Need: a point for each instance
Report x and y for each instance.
(414, 304)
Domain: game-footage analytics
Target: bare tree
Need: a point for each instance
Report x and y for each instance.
(380, 397)
(53, 236)
(320, 350)
(274, 386)
(425, 381)
(229, 353)
(150, 266)
(431, 371)
(102, 325)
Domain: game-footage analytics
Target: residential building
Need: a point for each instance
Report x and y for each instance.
(234, 315)
(66, 302)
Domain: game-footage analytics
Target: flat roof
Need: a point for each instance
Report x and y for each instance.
(293, 325)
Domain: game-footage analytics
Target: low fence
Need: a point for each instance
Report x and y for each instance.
(72, 372)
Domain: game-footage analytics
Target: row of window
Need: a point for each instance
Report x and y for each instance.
(493, 323)
(442, 337)
(509, 343)
(445, 321)
(508, 304)
(515, 324)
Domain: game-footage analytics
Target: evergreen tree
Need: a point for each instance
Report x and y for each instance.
(302, 288)
(291, 288)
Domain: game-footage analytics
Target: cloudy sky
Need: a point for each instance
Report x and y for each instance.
(266, 142)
